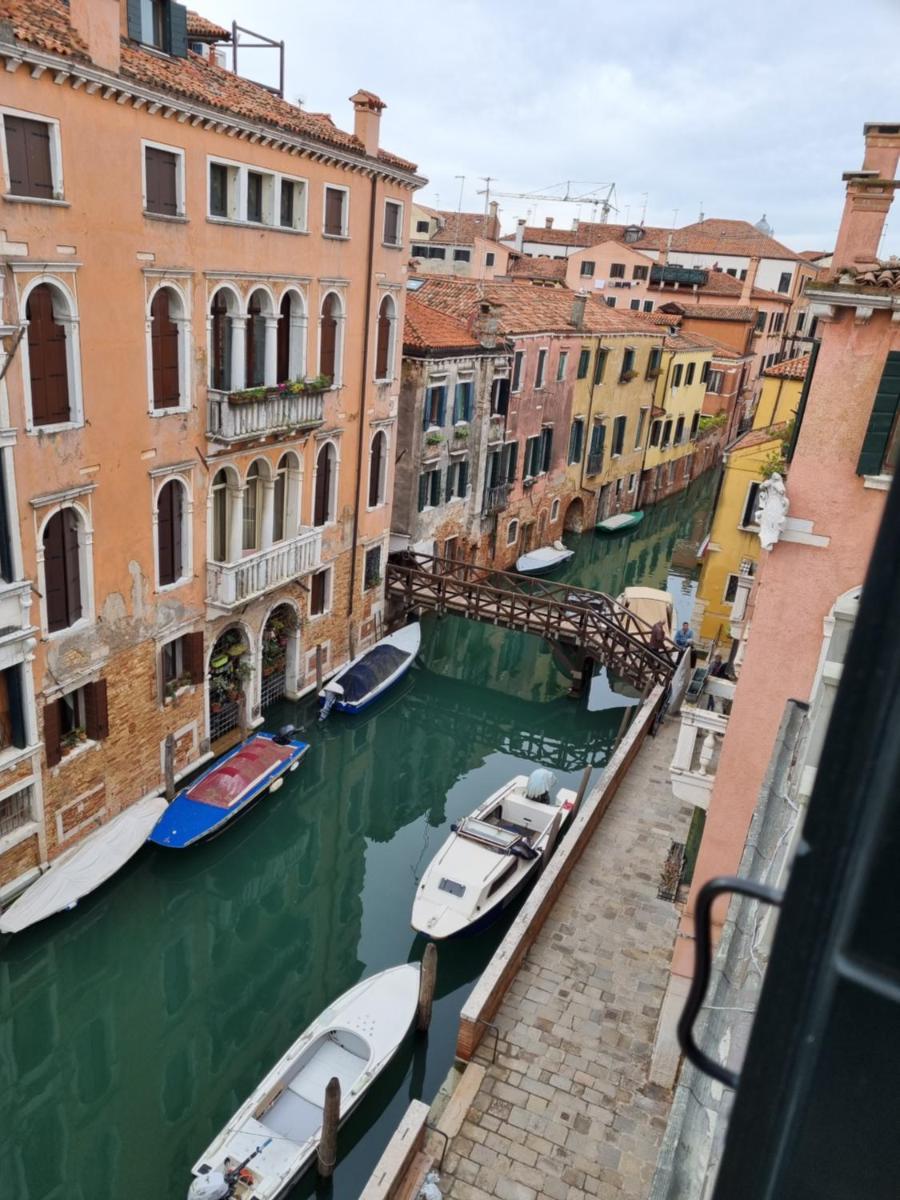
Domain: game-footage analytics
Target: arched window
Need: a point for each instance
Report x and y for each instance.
(165, 350)
(220, 348)
(284, 337)
(328, 336)
(385, 338)
(377, 469)
(256, 341)
(323, 510)
(62, 570)
(170, 528)
(279, 501)
(48, 358)
(220, 519)
(252, 511)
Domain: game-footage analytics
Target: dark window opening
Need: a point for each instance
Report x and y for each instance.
(161, 177)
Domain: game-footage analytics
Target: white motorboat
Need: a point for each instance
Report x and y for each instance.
(80, 870)
(491, 856)
(372, 672)
(651, 605)
(540, 562)
(273, 1136)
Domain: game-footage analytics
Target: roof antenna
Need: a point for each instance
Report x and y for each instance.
(644, 208)
(702, 213)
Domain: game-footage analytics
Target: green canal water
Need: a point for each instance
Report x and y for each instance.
(131, 1028)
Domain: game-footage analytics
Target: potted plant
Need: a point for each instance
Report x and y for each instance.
(627, 376)
(434, 438)
(461, 432)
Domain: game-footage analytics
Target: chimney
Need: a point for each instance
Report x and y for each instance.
(576, 320)
(520, 234)
(574, 224)
(750, 281)
(493, 226)
(869, 195)
(99, 23)
(367, 109)
(548, 222)
(486, 324)
(665, 254)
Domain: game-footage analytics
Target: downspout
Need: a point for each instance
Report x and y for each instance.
(365, 383)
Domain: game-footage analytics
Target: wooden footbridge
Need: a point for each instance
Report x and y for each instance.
(591, 621)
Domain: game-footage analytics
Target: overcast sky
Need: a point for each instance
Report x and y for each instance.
(737, 110)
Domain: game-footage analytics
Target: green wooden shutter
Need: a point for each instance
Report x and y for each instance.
(423, 490)
(134, 20)
(177, 31)
(884, 412)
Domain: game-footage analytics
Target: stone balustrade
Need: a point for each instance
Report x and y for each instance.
(230, 419)
(231, 584)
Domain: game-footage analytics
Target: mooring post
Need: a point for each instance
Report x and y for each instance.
(327, 1153)
(583, 786)
(169, 766)
(319, 667)
(242, 714)
(351, 641)
(427, 979)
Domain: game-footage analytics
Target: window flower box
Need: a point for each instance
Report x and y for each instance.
(433, 439)
(461, 432)
(627, 376)
(291, 387)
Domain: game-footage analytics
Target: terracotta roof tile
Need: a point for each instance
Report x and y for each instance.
(427, 328)
(881, 276)
(757, 437)
(199, 29)
(713, 312)
(812, 255)
(45, 24)
(710, 236)
(791, 368)
(525, 267)
(720, 283)
(459, 229)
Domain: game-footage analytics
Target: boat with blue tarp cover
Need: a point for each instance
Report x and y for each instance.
(372, 672)
(228, 789)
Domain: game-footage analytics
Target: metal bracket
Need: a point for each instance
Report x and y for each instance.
(496, 1033)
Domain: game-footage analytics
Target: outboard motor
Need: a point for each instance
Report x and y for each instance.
(284, 735)
(333, 692)
(213, 1186)
(540, 783)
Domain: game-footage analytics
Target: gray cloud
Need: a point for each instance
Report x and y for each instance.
(740, 109)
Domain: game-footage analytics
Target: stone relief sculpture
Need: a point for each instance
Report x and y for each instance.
(771, 510)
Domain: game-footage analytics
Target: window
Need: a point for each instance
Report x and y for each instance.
(372, 568)
(632, 482)
(610, 302)
(714, 382)
(748, 518)
(451, 548)
(489, 258)
(600, 365)
(617, 271)
(429, 252)
(462, 401)
(335, 212)
(163, 185)
(290, 353)
(618, 436)
(695, 424)
(329, 346)
(223, 191)
(672, 468)
(732, 271)
(628, 371)
(457, 486)
(500, 396)
(462, 255)
(639, 435)
(517, 370)
(509, 461)
(170, 533)
(881, 443)
(49, 355)
(648, 306)
(546, 448)
(532, 456)
(512, 532)
(377, 469)
(62, 543)
(635, 305)
(79, 715)
(254, 197)
(421, 226)
(587, 269)
(152, 25)
(655, 431)
(677, 372)
(320, 593)
(429, 490)
(251, 512)
(679, 431)
(435, 403)
(654, 362)
(539, 370)
(181, 663)
(666, 433)
(595, 451)
(12, 715)
(393, 223)
(165, 349)
(32, 157)
(222, 308)
(292, 204)
(689, 374)
(255, 343)
(801, 316)
(784, 281)
(640, 272)
(576, 441)
(221, 517)
(704, 372)
(561, 365)
(324, 487)
(15, 810)
(760, 322)
(584, 362)
(387, 319)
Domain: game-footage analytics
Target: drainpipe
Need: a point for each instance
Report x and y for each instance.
(365, 383)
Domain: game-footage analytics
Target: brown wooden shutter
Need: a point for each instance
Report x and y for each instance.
(328, 339)
(52, 735)
(165, 533)
(284, 341)
(72, 565)
(382, 366)
(221, 349)
(376, 466)
(192, 656)
(96, 712)
(391, 223)
(323, 486)
(47, 364)
(28, 154)
(160, 169)
(255, 360)
(317, 594)
(55, 595)
(334, 211)
(164, 346)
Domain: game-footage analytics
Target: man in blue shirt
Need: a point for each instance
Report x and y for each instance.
(684, 639)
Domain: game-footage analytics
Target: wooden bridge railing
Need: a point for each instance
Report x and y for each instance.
(593, 621)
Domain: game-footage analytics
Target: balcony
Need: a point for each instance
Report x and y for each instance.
(232, 418)
(696, 759)
(496, 499)
(231, 584)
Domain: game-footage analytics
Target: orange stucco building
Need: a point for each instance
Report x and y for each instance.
(203, 290)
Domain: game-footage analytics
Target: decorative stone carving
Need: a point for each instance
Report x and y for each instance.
(771, 511)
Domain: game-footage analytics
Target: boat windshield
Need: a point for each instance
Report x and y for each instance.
(371, 671)
(482, 831)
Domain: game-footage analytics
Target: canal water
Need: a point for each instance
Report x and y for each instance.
(131, 1028)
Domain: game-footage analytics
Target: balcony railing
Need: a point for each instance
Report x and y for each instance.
(594, 464)
(230, 584)
(233, 420)
(496, 498)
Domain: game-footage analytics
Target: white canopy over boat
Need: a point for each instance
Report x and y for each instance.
(536, 562)
(491, 855)
(277, 1129)
(83, 868)
(651, 605)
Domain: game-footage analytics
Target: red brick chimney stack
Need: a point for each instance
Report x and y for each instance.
(750, 281)
(870, 192)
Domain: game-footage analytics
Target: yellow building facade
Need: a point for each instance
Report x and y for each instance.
(677, 407)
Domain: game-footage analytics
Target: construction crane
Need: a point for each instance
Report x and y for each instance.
(604, 203)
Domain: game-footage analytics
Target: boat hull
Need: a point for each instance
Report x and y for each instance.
(536, 567)
(346, 706)
(613, 525)
(407, 640)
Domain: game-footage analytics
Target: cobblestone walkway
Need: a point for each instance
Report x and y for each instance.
(566, 1111)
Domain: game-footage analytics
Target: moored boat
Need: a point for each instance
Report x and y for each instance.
(371, 673)
(228, 789)
(620, 522)
(79, 871)
(650, 605)
(273, 1136)
(491, 856)
(544, 560)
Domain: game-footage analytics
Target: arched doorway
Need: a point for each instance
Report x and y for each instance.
(574, 519)
(278, 654)
(230, 670)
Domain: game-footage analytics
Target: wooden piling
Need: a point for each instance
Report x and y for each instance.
(319, 667)
(169, 766)
(327, 1152)
(351, 642)
(582, 787)
(427, 980)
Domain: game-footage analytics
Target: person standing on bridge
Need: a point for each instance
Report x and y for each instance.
(658, 636)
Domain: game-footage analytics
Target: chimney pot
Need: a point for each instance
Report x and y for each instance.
(367, 110)
(548, 222)
(520, 234)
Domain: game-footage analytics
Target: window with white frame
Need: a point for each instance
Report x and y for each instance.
(512, 532)
(372, 568)
(336, 211)
(172, 519)
(377, 469)
(385, 338)
(748, 515)
(392, 234)
(64, 568)
(330, 337)
(554, 511)
(31, 156)
(320, 586)
(51, 368)
(561, 365)
(286, 498)
(539, 369)
(16, 810)
(163, 180)
(169, 332)
(239, 192)
(457, 486)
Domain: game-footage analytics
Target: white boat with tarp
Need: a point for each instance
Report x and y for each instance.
(372, 672)
(273, 1136)
(81, 870)
(492, 855)
(544, 560)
